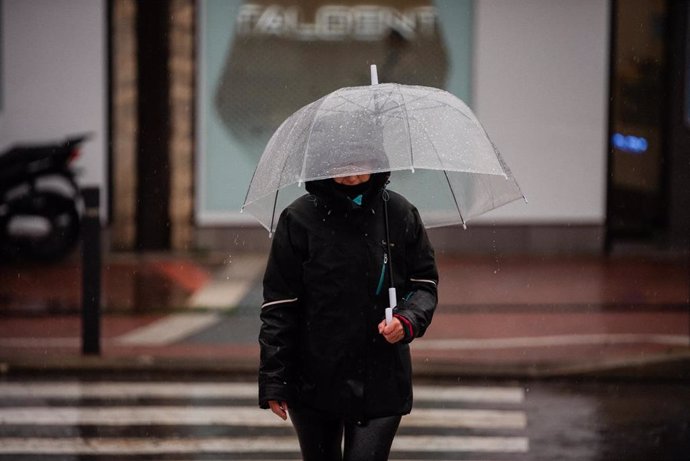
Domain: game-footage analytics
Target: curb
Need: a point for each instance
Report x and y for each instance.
(671, 366)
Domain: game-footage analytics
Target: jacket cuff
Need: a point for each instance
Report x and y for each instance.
(407, 327)
(272, 391)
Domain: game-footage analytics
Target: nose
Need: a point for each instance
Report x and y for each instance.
(351, 180)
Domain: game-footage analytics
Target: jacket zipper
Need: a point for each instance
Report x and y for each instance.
(383, 274)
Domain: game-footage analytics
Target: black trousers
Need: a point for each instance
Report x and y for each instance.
(321, 435)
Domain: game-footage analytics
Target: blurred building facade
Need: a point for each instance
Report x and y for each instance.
(586, 100)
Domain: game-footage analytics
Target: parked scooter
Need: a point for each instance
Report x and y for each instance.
(40, 201)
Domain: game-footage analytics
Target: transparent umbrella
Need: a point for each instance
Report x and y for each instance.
(439, 155)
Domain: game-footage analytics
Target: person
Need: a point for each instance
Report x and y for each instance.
(329, 360)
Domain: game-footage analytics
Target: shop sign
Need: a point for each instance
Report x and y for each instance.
(336, 22)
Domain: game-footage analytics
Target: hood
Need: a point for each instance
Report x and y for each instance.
(325, 190)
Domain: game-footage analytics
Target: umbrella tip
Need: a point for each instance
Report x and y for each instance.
(374, 75)
(464, 226)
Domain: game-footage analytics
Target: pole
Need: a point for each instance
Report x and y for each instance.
(392, 295)
(91, 273)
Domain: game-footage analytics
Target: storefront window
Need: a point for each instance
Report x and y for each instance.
(263, 60)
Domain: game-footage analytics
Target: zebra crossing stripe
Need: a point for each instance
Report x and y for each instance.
(82, 446)
(469, 419)
(461, 443)
(470, 394)
(245, 416)
(230, 390)
(128, 390)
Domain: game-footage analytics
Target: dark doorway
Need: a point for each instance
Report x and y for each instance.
(153, 137)
(637, 206)
(679, 126)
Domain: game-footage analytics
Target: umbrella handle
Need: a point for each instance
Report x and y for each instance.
(392, 302)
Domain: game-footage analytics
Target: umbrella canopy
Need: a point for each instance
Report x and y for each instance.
(439, 155)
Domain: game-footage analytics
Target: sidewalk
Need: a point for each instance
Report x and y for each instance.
(502, 317)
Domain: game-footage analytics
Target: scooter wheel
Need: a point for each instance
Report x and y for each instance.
(41, 227)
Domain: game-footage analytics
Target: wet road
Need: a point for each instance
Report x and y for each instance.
(608, 421)
(148, 418)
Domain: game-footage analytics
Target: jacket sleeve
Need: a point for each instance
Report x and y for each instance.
(419, 302)
(280, 314)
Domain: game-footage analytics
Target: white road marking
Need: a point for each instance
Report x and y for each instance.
(168, 330)
(147, 446)
(230, 285)
(104, 390)
(460, 443)
(220, 294)
(469, 394)
(461, 418)
(225, 291)
(245, 416)
(144, 415)
(549, 341)
(81, 446)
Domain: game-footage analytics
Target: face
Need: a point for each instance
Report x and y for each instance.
(352, 180)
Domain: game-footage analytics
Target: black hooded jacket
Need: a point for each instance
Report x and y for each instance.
(325, 291)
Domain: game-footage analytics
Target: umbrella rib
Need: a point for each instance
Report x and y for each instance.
(273, 213)
(445, 173)
(365, 108)
(249, 188)
(431, 141)
(407, 125)
(342, 103)
(442, 103)
(292, 128)
(428, 97)
(354, 103)
(311, 128)
(439, 104)
(452, 192)
(388, 98)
